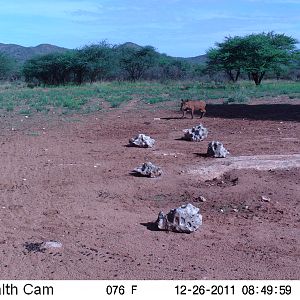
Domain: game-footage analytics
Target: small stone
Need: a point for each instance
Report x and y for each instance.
(202, 199)
(52, 244)
(266, 199)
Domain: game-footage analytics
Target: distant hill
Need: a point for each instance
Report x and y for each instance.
(130, 45)
(200, 59)
(21, 53)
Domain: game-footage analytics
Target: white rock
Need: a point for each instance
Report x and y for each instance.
(266, 199)
(202, 199)
(185, 218)
(195, 134)
(142, 140)
(148, 169)
(52, 244)
(216, 149)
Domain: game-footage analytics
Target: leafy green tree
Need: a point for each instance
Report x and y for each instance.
(296, 60)
(172, 68)
(135, 62)
(281, 71)
(254, 54)
(99, 60)
(52, 69)
(198, 70)
(266, 52)
(228, 57)
(90, 63)
(7, 65)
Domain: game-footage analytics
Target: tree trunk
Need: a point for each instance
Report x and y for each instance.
(237, 74)
(262, 74)
(229, 73)
(255, 77)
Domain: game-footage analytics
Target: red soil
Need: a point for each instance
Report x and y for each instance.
(70, 182)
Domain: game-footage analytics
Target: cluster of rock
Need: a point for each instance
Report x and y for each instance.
(147, 169)
(195, 134)
(199, 133)
(185, 218)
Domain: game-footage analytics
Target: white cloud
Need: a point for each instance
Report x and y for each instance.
(53, 9)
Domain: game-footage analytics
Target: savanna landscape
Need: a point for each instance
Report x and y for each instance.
(71, 207)
(66, 178)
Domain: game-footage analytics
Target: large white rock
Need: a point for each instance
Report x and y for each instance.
(195, 134)
(148, 169)
(142, 140)
(185, 218)
(216, 149)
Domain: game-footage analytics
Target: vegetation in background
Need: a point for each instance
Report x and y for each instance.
(252, 57)
(254, 54)
(90, 63)
(135, 62)
(7, 66)
(90, 97)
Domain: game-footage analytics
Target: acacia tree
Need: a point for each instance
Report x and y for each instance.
(172, 68)
(255, 54)
(228, 57)
(99, 60)
(137, 61)
(6, 65)
(267, 52)
(52, 69)
(89, 63)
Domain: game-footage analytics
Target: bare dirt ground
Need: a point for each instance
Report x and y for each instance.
(68, 180)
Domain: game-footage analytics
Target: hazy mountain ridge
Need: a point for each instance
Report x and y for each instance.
(200, 59)
(21, 53)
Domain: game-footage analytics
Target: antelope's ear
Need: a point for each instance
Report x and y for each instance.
(181, 100)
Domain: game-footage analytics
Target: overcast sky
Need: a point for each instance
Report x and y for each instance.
(175, 27)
